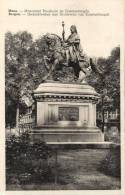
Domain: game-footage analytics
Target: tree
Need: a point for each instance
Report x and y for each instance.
(109, 81)
(36, 61)
(18, 80)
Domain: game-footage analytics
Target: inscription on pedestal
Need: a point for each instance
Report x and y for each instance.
(68, 113)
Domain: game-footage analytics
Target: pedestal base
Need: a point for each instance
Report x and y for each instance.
(66, 113)
(67, 135)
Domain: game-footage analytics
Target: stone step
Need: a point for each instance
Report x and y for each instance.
(81, 145)
(67, 136)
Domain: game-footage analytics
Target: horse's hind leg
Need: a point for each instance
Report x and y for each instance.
(77, 69)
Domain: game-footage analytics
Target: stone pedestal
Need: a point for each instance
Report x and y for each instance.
(66, 113)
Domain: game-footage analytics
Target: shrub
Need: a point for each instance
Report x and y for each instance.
(26, 161)
(111, 164)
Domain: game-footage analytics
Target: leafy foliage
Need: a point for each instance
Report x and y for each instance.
(110, 79)
(18, 79)
(17, 48)
(26, 160)
(111, 164)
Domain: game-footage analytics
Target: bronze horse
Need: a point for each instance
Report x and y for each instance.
(55, 58)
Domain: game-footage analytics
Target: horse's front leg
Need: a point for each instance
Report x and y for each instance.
(45, 59)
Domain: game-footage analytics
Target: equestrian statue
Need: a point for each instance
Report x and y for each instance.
(67, 53)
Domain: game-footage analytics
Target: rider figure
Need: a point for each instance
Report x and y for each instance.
(72, 45)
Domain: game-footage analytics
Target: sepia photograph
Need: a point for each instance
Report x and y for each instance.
(63, 96)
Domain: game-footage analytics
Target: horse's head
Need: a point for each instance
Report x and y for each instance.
(48, 38)
(53, 40)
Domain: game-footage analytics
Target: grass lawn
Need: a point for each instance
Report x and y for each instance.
(76, 170)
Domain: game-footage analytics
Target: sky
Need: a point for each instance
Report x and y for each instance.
(98, 34)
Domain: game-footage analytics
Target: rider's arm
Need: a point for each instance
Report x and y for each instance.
(77, 39)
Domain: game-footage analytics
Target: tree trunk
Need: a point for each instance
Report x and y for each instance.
(17, 118)
(56, 166)
(103, 119)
